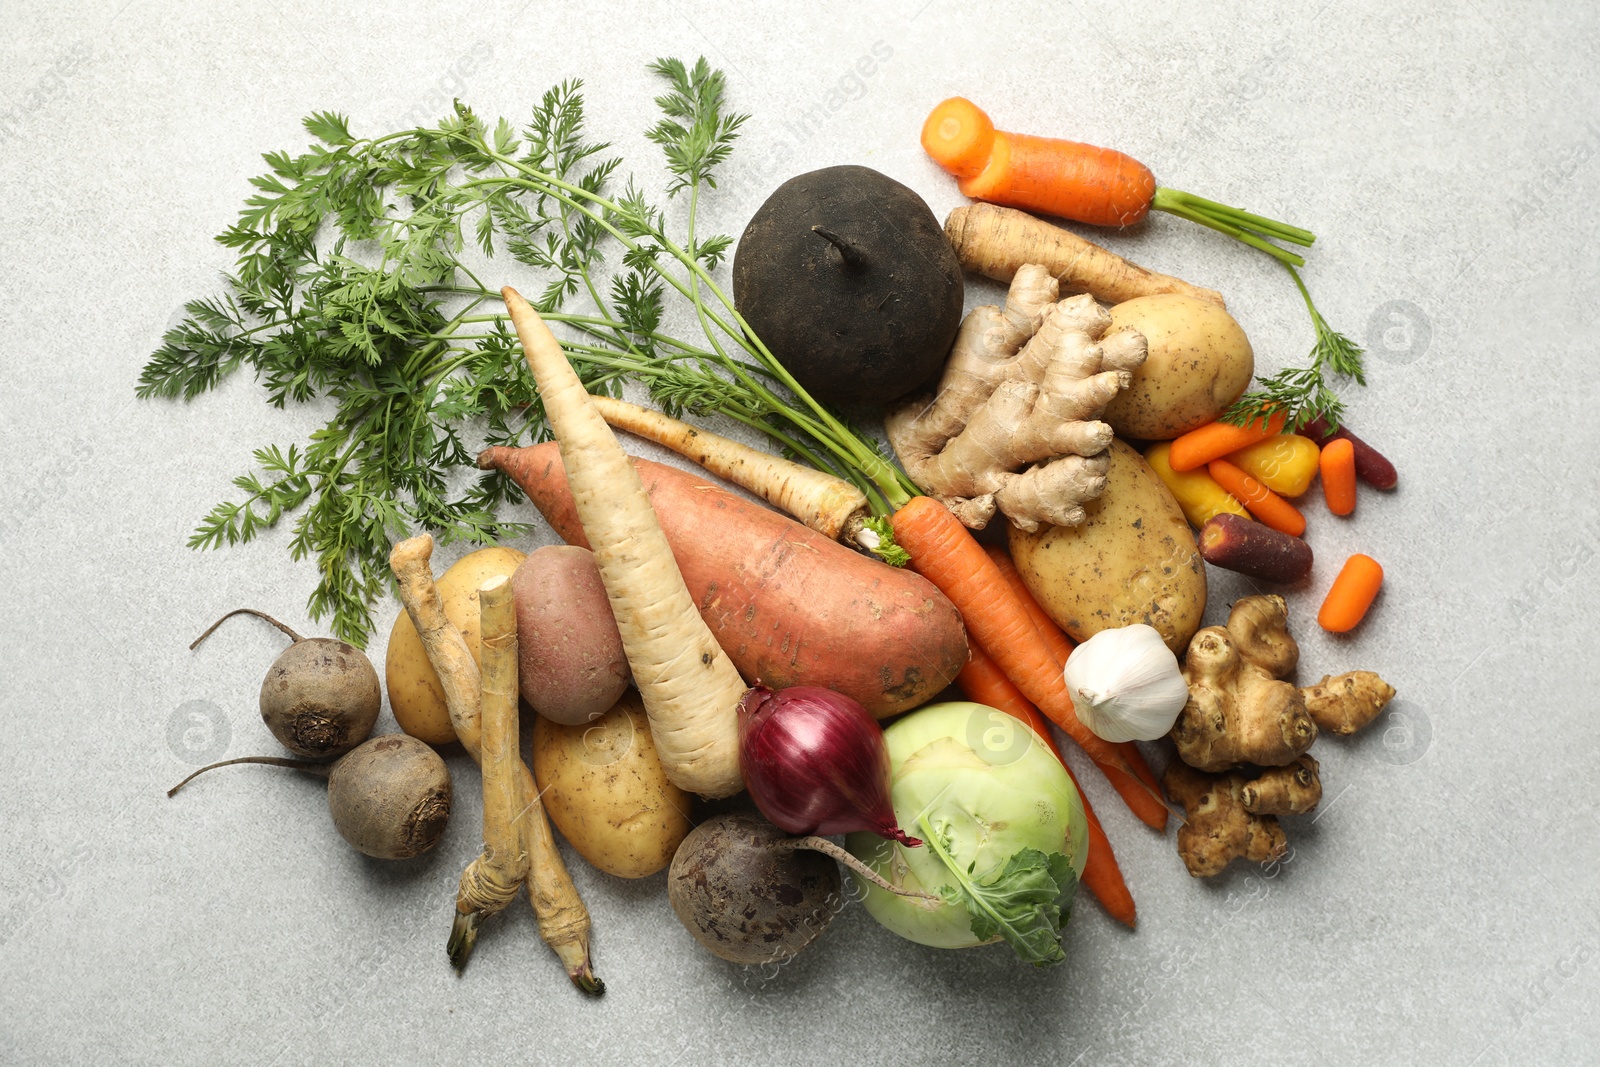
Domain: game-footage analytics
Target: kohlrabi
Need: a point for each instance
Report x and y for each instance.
(1004, 830)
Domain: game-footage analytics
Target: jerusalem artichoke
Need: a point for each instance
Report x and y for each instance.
(1345, 704)
(1238, 710)
(1217, 827)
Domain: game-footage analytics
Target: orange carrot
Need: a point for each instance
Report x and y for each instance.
(983, 682)
(1080, 181)
(1061, 647)
(943, 551)
(1076, 181)
(1339, 476)
(1263, 503)
(1351, 595)
(1216, 439)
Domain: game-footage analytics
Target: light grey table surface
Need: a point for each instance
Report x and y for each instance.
(1440, 909)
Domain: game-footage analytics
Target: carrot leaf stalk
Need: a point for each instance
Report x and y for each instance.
(1303, 394)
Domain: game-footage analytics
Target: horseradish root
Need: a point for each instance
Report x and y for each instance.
(492, 879)
(563, 919)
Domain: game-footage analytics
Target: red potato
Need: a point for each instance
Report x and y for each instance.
(788, 605)
(572, 665)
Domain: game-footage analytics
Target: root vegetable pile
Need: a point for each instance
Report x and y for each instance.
(707, 602)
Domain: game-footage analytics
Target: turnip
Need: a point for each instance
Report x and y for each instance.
(389, 798)
(320, 697)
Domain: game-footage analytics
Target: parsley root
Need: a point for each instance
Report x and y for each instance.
(996, 241)
(691, 689)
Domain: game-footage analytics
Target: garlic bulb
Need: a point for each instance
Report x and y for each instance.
(1126, 685)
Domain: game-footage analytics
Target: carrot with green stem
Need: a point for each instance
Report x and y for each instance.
(1104, 187)
(691, 690)
(984, 682)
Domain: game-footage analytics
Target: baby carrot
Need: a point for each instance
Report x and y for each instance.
(1339, 476)
(1351, 595)
(1263, 503)
(1216, 439)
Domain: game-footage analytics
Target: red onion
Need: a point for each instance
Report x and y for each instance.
(815, 762)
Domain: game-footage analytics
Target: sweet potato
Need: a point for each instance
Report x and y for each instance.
(789, 606)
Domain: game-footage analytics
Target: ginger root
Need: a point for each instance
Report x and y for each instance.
(1217, 827)
(1345, 704)
(1014, 424)
(1238, 710)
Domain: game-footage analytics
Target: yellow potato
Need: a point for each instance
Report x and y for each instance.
(1134, 560)
(603, 786)
(415, 696)
(1200, 362)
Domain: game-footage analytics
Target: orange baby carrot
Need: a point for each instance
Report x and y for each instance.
(1351, 595)
(1263, 503)
(1339, 476)
(983, 681)
(1216, 439)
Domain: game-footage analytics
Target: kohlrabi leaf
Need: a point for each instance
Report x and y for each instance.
(1025, 903)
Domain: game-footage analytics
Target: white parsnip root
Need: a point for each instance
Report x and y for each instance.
(691, 690)
(1015, 422)
(822, 501)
